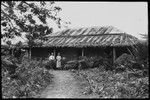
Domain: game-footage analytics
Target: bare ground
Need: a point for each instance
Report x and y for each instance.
(64, 86)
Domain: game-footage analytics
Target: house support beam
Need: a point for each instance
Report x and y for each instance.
(54, 52)
(114, 55)
(82, 52)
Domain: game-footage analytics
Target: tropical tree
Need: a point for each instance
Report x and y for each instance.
(30, 18)
(141, 51)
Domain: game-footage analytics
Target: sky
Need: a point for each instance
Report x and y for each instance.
(130, 17)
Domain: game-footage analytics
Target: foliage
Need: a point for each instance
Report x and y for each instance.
(86, 62)
(83, 64)
(124, 59)
(140, 52)
(50, 65)
(108, 84)
(93, 62)
(28, 80)
(127, 79)
(124, 62)
(19, 17)
(63, 62)
(71, 64)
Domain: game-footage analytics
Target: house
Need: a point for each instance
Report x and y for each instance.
(87, 41)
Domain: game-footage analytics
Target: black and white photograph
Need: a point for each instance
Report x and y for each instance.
(74, 49)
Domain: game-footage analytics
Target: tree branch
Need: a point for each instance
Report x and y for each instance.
(8, 18)
(4, 5)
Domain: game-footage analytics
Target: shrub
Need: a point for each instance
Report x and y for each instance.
(97, 63)
(83, 64)
(86, 62)
(108, 84)
(137, 66)
(124, 59)
(71, 65)
(8, 64)
(28, 81)
(140, 52)
(120, 69)
(63, 63)
(50, 65)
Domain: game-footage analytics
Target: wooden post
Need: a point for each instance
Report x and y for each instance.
(114, 55)
(54, 52)
(30, 51)
(82, 52)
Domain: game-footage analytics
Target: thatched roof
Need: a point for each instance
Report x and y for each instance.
(90, 37)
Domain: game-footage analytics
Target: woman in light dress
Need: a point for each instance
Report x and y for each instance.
(51, 57)
(52, 61)
(58, 63)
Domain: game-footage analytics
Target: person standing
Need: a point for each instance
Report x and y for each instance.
(52, 61)
(51, 57)
(58, 63)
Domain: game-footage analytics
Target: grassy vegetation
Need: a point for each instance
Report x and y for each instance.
(25, 80)
(108, 84)
(128, 78)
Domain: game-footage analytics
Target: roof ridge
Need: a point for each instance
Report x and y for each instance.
(84, 27)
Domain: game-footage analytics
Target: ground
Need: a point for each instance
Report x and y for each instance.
(64, 86)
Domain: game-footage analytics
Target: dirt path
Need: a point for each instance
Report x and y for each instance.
(65, 86)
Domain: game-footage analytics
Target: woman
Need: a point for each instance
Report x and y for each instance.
(58, 63)
(52, 61)
(51, 57)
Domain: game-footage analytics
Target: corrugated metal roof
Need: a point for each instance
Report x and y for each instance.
(90, 36)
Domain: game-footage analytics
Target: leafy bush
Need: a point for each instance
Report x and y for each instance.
(50, 65)
(97, 62)
(92, 62)
(28, 81)
(63, 63)
(86, 62)
(125, 60)
(83, 64)
(108, 84)
(141, 54)
(71, 65)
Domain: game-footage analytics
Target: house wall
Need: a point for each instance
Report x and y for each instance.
(73, 53)
(68, 53)
(121, 50)
(97, 51)
(41, 52)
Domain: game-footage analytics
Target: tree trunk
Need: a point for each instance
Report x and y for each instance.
(114, 55)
